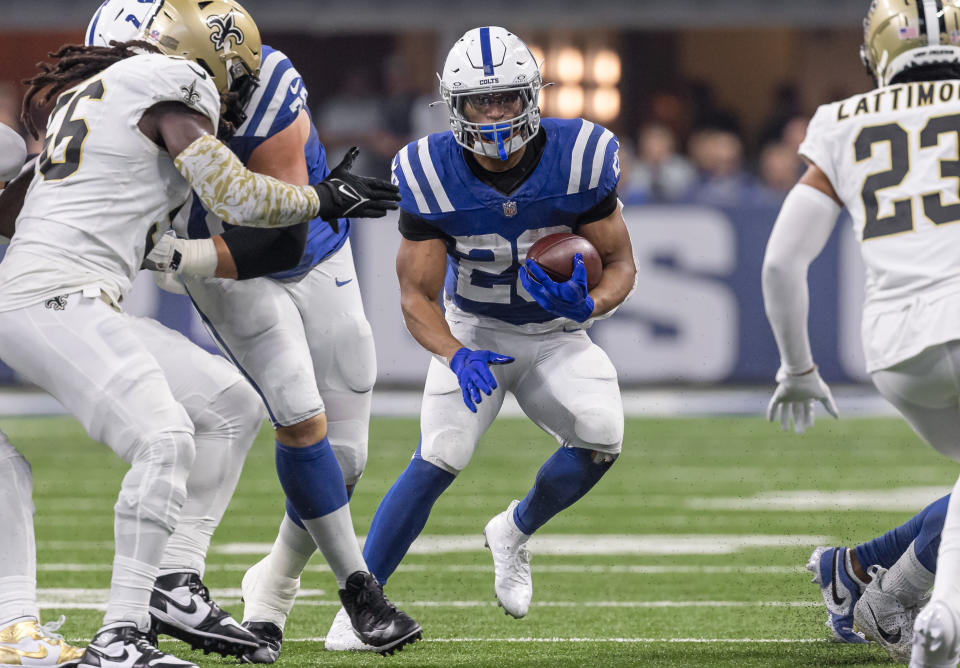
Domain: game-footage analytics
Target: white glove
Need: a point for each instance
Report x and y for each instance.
(197, 257)
(169, 283)
(794, 397)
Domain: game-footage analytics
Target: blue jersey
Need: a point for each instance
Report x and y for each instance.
(489, 232)
(274, 106)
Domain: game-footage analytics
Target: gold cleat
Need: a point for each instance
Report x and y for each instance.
(29, 643)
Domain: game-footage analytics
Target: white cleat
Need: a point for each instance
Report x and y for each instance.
(935, 638)
(883, 618)
(511, 563)
(341, 637)
(267, 596)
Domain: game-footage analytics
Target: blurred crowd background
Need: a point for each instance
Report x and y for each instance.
(710, 100)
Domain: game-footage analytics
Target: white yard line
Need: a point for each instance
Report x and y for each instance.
(634, 569)
(96, 599)
(606, 640)
(899, 499)
(589, 544)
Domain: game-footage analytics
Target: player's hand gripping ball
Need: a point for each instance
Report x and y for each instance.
(559, 282)
(554, 253)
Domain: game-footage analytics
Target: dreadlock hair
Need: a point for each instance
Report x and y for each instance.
(75, 63)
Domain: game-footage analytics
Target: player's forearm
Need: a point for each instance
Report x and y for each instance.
(801, 231)
(239, 196)
(425, 322)
(787, 302)
(616, 284)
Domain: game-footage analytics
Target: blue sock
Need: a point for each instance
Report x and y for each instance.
(295, 518)
(402, 514)
(924, 528)
(311, 479)
(927, 543)
(564, 478)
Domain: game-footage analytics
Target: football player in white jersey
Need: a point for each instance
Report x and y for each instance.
(474, 200)
(23, 639)
(294, 325)
(131, 135)
(890, 157)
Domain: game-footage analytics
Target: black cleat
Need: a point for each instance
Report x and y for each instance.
(127, 647)
(270, 637)
(180, 606)
(375, 620)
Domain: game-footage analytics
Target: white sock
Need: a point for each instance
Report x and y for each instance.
(334, 535)
(130, 589)
(225, 429)
(908, 579)
(18, 553)
(292, 549)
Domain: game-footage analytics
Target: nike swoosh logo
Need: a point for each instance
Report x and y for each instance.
(199, 71)
(188, 610)
(340, 283)
(833, 582)
(120, 658)
(892, 638)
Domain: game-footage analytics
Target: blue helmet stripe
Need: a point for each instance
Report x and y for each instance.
(93, 25)
(485, 52)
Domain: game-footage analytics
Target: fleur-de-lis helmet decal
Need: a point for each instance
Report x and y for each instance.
(219, 35)
(224, 29)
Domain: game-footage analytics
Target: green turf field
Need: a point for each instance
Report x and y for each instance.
(717, 492)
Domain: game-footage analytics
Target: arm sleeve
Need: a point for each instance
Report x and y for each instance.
(241, 197)
(599, 211)
(802, 229)
(258, 252)
(13, 153)
(416, 228)
(817, 145)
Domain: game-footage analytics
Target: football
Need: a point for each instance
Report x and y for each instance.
(554, 253)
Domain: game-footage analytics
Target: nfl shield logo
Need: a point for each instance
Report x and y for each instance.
(509, 209)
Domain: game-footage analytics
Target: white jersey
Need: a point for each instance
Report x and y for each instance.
(892, 157)
(101, 185)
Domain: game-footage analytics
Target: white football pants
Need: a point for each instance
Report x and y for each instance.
(563, 381)
(105, 367)
(926, 390)
(306, 346)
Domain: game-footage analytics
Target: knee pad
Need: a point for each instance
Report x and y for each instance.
(155, 487)
(349, 442)
(600, 428)
(935, 635)
(449, 449)
(355, 354)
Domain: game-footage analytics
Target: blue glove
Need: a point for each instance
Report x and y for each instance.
(473, 373)
(569, 299)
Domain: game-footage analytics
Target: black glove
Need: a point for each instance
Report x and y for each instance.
(344, 194)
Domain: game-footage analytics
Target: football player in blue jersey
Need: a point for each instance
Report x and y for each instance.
(294, 325)
(473, 202)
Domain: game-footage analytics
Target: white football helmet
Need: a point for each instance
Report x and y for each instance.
(490, 61)
(118, 20)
